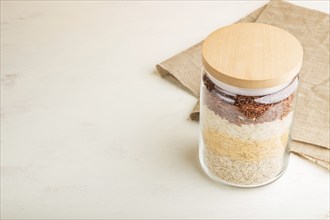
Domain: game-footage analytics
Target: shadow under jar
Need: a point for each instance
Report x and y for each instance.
(248, 90)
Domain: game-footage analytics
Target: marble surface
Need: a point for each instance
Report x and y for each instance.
(89, 130)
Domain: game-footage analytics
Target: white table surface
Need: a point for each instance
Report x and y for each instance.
(90, 130)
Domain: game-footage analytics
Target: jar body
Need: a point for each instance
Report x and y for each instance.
(244, 138)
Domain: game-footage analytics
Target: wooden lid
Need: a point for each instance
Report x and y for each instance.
(252, 55)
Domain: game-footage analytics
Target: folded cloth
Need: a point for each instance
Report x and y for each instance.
(310, 132)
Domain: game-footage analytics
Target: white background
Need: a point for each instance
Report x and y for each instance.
(90, 130)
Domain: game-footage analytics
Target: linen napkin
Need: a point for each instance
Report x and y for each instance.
(310, 133)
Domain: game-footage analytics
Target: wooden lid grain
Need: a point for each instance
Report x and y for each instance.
(252, 55)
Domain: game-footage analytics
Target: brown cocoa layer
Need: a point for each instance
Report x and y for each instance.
(241, 109)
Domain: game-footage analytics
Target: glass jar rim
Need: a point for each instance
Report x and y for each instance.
(251, 92)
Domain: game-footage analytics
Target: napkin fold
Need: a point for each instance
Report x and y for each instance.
(310, 132)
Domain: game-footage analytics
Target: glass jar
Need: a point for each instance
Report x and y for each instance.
(248, 90)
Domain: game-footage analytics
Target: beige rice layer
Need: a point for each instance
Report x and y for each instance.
(246, 154)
